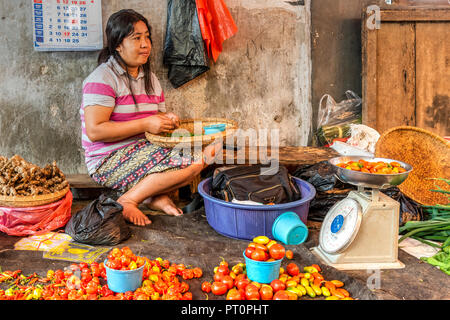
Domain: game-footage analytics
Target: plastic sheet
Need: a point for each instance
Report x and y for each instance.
(216, 24)
(184, 51)
(36, 220)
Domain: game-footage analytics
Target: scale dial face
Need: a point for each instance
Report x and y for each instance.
(340, 226)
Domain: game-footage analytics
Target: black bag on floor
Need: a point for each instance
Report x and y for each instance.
(100, 223)
(258, 183)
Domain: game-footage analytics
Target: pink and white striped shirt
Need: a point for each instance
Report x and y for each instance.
(108, 86)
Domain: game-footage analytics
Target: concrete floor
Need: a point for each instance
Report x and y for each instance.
(189, 239)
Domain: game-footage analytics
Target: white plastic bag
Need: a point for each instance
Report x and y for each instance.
(363, 137)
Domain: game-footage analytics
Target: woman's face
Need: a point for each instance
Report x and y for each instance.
(135, 48)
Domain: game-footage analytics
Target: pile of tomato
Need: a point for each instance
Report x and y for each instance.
(161, 281)
(290, 285)
(378, 167)
(124, 259)
(264, 249)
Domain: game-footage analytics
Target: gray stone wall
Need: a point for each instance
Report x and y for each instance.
(262, 79)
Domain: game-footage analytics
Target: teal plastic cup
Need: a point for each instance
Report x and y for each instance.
(262, 271)
(124, 280)
(289, 229)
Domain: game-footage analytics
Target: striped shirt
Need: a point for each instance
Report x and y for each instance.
(108, 86)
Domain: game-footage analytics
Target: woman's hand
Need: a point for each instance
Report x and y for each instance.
(159, 123)
(174, 118)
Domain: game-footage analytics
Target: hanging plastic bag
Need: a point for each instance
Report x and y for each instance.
(99, 223)
(184, 51)
(36, 220)
(334, 118)
(216, 24)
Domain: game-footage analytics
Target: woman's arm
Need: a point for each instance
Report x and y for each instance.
(100, 128)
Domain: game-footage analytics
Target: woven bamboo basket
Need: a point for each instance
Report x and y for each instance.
(429, 155)
(32, 201)
(190, 126)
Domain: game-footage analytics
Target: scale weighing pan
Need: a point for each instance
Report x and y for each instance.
(361, 231)
(369, 180)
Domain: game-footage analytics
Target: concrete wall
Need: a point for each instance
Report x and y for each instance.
(262, 79)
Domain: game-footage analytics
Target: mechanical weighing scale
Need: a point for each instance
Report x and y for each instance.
(361, 231)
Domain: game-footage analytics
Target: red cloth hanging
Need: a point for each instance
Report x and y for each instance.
(216, 25)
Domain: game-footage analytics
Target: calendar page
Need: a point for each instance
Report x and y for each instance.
(67, 25)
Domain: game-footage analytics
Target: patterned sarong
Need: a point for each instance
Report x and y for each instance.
(124, 168)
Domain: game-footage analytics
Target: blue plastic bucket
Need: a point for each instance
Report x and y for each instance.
(241, 221)
(262, 271)
(289, 229)
(124, 280)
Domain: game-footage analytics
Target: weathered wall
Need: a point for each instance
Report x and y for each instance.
(262, 78)
(336, 44)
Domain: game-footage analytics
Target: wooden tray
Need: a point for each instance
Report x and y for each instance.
(429, 155)
(191, 141)
(32, 201)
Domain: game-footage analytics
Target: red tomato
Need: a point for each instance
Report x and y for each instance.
(206, 287)
(292, 269)
(92, 287)
(281, 295)
(277, 251)
(229, 281)
(234, 294)
(241, 283)
(83, 265)
(266, 292)
(219, 288)
(125, 261)
(258, 255)
(223, 269)
(197, 272)
(218, 277)
(251, 292)
(277, 285)
(187, 296)
(116, 253)
(289, 254)
(249, 251)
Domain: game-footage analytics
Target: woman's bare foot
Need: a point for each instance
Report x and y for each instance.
(163, 203)
(132, 213)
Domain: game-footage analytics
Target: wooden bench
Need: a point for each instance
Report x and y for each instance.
(291, 157)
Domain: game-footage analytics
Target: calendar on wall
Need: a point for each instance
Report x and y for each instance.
(67, 25)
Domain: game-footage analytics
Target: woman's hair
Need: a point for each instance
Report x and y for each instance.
(119, 26)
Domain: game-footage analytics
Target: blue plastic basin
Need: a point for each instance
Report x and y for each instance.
(248, 221)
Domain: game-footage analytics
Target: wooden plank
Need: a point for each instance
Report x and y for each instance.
(415, 14)
(81, 181)
(285, 155)
(395, 85)
(433, 77)
(369, 74)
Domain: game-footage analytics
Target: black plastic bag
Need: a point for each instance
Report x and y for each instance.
(329, 189)
(409, 209)
(184, 49)
(100, 223)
